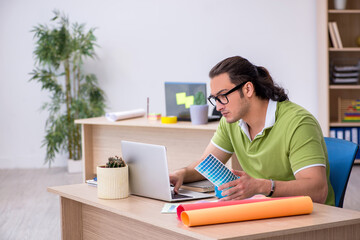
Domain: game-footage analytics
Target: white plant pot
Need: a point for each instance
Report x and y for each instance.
(74, 166)
(199, 114)
(112, 183)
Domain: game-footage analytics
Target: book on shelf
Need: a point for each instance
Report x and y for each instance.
(337, 35)
(332, 35)
(351, 134)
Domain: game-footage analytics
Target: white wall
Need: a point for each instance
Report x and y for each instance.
(146, 42)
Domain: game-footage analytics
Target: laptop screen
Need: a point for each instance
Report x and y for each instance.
(149, 175)
(179, 96)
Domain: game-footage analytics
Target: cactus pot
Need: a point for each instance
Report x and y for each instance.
(199, 114)
(112, 183)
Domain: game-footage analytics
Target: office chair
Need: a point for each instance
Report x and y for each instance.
(341, 154)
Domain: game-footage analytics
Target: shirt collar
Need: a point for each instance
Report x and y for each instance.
(269, 119)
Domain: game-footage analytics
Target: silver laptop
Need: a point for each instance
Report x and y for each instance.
(148, 173)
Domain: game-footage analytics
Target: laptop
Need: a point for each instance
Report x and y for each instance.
(148, 173)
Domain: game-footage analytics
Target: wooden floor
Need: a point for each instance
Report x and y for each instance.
(28, 211)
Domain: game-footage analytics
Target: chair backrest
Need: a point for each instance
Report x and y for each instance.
(341, 154)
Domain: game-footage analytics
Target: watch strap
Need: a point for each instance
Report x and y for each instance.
(272, 188)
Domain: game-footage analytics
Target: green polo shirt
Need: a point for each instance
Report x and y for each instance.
(291, 141)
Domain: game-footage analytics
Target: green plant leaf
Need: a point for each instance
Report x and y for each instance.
(199, 98)
(59, 54)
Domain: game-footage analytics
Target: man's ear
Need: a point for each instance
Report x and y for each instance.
(249, 89)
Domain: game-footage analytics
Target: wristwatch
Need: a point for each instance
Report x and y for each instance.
(272, 188)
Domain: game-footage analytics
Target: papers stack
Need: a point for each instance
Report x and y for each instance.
(345, 74)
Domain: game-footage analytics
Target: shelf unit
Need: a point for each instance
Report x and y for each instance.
(340, 95)
(348, 21)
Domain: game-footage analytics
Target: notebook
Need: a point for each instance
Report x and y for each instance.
(148, 173)
(199, 186)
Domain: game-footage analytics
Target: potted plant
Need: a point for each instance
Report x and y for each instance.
(59, 55)
(199, 110)
(113, 179)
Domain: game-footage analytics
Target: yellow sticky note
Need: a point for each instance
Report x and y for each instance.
(189, 101)
(180, 98)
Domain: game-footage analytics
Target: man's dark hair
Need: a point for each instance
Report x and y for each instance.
(241, 70)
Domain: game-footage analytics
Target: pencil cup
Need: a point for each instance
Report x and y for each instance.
(112, 183)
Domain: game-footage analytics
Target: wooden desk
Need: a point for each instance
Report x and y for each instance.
(84, 216)
(101, 139)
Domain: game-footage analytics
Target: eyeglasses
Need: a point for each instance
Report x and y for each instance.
(222, 98)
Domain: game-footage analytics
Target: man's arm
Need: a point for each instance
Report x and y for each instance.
(311, 182)
(189, 174)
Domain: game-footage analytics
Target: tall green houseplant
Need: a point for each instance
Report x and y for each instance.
(59, 55)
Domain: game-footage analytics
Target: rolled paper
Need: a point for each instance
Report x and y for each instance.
(202, 205)
(115, 116)
(169, 119)
(249, 211)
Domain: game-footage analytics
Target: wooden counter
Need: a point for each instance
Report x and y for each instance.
(84, 216)
(102, 138)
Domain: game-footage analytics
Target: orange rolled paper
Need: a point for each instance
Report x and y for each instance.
(248, 211)
(201, 205)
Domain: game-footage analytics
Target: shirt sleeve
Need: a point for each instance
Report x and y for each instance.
(221, 137)
(307, 146)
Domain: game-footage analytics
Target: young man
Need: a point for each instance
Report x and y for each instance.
(279, 144)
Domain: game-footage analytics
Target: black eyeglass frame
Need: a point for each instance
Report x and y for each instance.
(216, 98)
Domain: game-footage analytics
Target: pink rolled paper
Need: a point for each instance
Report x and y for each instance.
(202, 205)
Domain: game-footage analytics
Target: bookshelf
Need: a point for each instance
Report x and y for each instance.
(342, 95)
(348, 22)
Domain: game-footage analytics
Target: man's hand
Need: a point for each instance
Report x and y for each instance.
(189, 174)
(241, 188)
(308, 182)
(177, 179)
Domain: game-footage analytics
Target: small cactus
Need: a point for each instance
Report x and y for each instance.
(199, 98)
(115, 162)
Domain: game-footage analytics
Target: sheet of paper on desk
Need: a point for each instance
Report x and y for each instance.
(92, 182)
(170, 207)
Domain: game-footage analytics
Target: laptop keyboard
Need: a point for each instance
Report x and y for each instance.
(177, 196)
